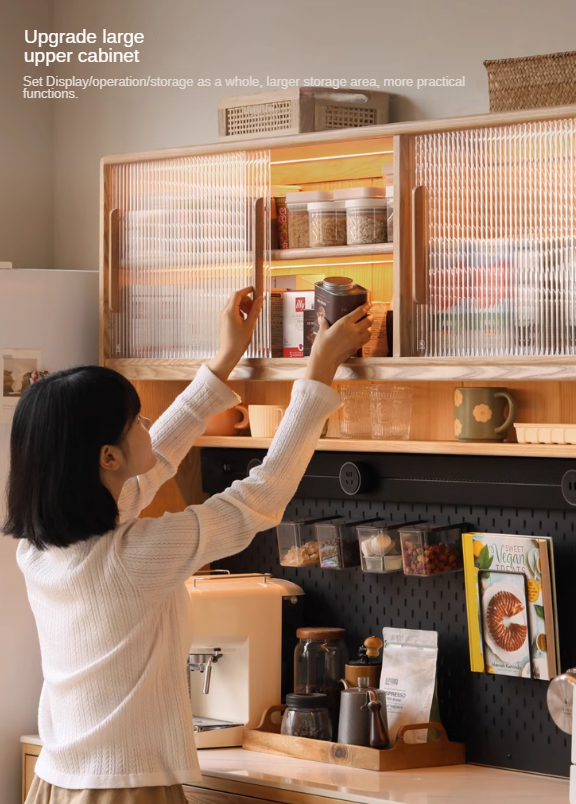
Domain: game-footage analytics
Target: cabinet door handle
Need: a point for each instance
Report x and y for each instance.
(259, 212)
(114, 261)
(419, 244)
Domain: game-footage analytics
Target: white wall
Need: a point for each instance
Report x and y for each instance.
(57, 312)
(25, 144)
(323, 38)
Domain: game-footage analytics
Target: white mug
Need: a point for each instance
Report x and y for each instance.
(265, 419)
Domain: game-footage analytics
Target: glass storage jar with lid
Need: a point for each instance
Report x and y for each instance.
(297, 208)
(327, 224)
(319, 663)
(366, 221)
(307, 716)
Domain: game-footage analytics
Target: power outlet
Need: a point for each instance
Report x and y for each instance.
(252, 464)
(569, 486)
(350, 478)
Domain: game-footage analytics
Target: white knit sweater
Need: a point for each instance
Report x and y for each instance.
(113, 614)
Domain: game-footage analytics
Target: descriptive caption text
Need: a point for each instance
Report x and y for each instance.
(54, 86)
(47, 43)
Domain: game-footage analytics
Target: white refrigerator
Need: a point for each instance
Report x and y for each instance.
(55, 312)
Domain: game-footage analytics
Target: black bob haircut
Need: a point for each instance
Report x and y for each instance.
(54, 493)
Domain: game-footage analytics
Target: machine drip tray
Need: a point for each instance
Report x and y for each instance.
(210, 724)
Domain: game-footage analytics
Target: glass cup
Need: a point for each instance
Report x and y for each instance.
(390, 411)
(355, 411)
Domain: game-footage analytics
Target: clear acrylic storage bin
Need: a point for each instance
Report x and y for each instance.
(338, 543)
(297, 542)
(379, 544)
(429, 549)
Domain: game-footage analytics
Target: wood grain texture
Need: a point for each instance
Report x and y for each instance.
(114, 260)
(352, 135)
(421, 447)
(336, 251)
(104, 330)
(402, 756)
(250, 792)
(30, 754)
(323, 169)
(402, 305)
(156, 398)
(406, 369)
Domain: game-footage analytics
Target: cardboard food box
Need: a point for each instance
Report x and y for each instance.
(294, 304)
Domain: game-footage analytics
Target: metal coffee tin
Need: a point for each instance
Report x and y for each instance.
(335, 297)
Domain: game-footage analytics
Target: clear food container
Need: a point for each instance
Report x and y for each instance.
(338, 543)
(298, 219)
(319, 663)
(327, 224)
(429, 549)
(390, 214)
(298, 543)
(307, 716)
(366, 221)
(379, 544)
(298, 227)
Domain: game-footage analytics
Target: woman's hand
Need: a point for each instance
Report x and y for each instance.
(335, 344)
(237, 323)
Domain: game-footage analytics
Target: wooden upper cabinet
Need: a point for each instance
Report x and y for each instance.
(179, 235)
(481, 273)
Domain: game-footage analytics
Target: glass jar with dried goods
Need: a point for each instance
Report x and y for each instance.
(366, 221)
(298, 218)
(327, 224)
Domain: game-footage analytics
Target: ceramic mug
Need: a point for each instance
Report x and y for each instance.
(265, 419)
(479, 413)
(227, 423)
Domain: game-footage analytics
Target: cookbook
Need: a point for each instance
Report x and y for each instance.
(511, 605)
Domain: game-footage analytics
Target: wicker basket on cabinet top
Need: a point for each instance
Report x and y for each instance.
(299, 110)
(532, 81)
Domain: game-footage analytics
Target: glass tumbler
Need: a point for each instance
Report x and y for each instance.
(355, 411)
(390, 411)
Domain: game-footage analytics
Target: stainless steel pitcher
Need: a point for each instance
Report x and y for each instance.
(354, 723)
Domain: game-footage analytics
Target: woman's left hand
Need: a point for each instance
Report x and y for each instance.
(237, 323)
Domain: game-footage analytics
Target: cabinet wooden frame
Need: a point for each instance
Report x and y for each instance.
(325, 159)
(30, 754)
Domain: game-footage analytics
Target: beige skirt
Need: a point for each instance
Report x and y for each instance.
(43, 793)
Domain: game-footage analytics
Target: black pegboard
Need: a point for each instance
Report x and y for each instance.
(504, 721)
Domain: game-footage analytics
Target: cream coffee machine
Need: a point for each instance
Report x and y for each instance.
(234, 665)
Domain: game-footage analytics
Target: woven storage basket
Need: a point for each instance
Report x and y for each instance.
(532, 81)
(299, 110)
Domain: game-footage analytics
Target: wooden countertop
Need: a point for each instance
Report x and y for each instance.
(236, 771)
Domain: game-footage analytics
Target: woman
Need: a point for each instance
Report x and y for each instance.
(107, 589)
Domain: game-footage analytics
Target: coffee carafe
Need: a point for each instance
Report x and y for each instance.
(363, 719)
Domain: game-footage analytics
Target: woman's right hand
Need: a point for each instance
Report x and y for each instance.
(335, 344)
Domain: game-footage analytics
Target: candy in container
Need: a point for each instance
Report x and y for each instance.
(430, 549)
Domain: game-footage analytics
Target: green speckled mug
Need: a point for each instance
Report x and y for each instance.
(479, 413)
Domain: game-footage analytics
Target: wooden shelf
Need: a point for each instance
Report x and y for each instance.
(422, 447)
(337, 251)
(390, 369)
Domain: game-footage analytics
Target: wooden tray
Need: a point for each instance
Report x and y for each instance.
(402, 756)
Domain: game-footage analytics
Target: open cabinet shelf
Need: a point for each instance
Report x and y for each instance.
(386, 369)
(423, 447)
